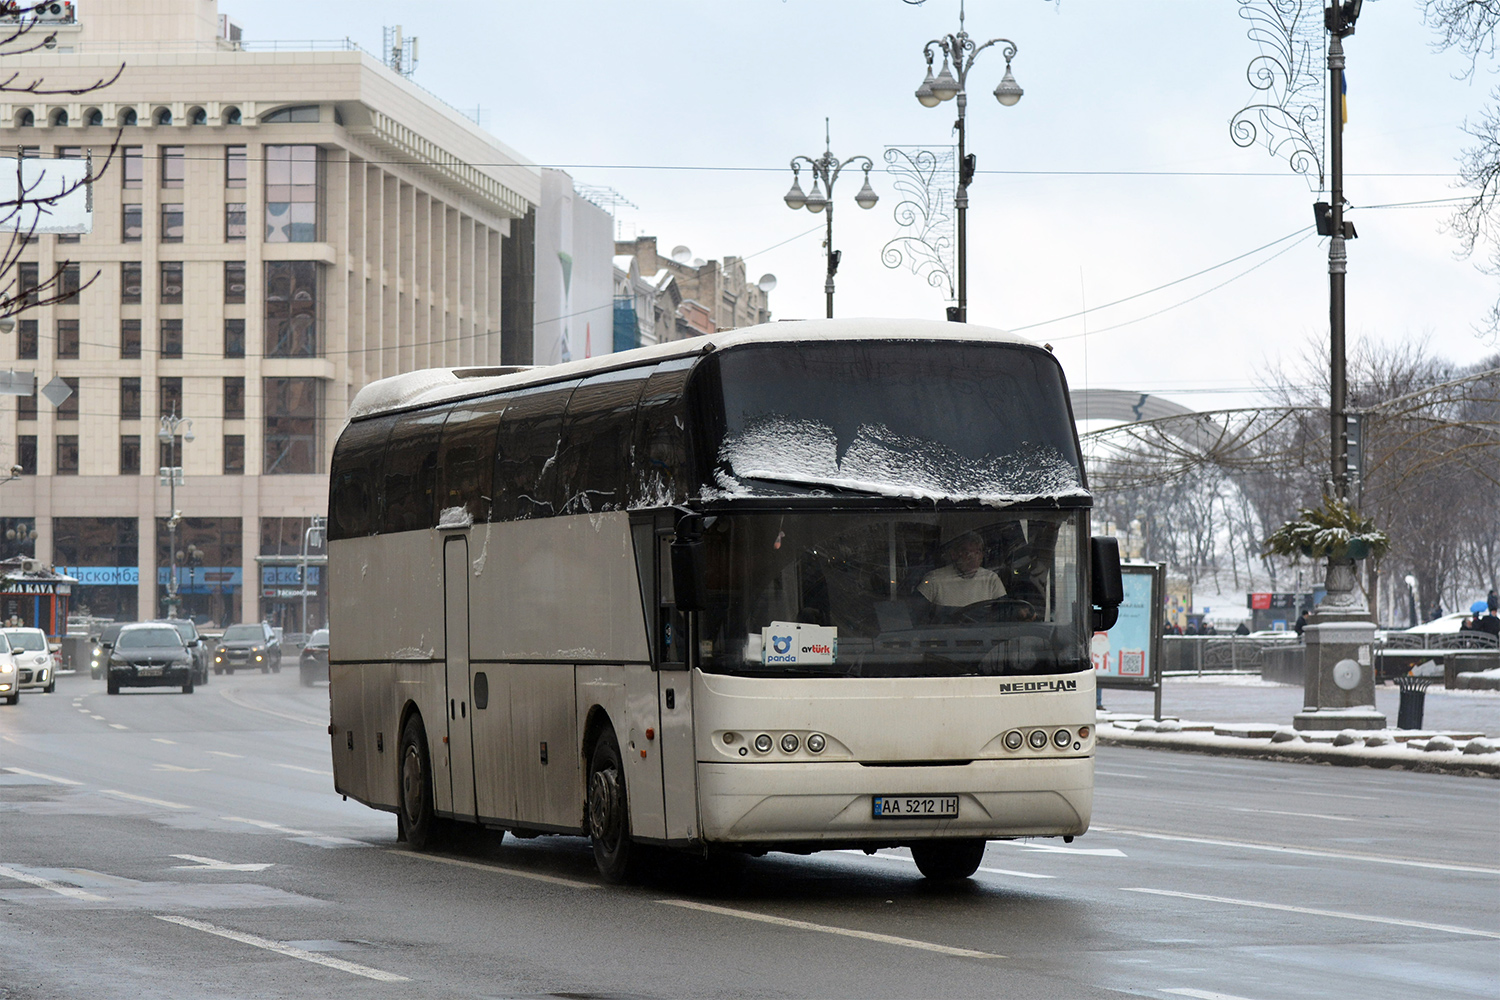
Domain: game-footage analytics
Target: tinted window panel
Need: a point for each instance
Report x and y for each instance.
(409, 484)
(466, 461)
(526, 483)
(659, 466)
(597, 436)
(354, 508)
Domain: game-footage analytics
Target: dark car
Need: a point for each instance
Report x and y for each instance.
(248, 646)
(103, 643)
(314, 661)
(149, 655)
(195, 643)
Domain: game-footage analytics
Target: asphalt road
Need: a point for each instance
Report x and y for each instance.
(163, 845)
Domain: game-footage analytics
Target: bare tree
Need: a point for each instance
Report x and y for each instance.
(20, 216)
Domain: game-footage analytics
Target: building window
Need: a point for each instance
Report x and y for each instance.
(130, 454)
(291, 309)
(26, 453)
(171, 282)
(69, 408)
(234, 281)
(304, 114)
(67, 454)
(173, 166)
(67, 338)
(130, 399)
(130, 281)
(169, 395)
(132, 227)
(234, 338)
(26, 339)
(234, 222)
(171, 338)
(68, 284)
(234, 166)
(234, 454)
(292, 189)
(132, 166)
(291, 422)
(171, 222)
(234, 397)
(28, 276)
(26, 405)
(130, 338)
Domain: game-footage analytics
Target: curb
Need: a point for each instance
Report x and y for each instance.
(1396, 757)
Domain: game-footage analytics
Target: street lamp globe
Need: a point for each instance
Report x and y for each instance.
(795, 199)
(924, 92)
(1009, 91)
(815, 200)
(165, 434)
(945, 87)
(187, 435)
(866, 198)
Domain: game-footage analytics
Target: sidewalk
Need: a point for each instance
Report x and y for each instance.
(1242, 715)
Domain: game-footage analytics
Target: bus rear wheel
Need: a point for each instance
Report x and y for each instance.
(414, 796)
(948, 860)
(609, 811)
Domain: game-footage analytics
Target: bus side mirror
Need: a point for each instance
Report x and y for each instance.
(689, 568)
(1106, 586)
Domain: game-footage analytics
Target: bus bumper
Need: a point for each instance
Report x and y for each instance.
(833, 802)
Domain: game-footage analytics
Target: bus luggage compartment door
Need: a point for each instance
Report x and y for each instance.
(459, 709)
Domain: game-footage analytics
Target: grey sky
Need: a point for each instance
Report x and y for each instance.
(1129, 93)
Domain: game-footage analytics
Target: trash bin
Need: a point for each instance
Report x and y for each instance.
(1413, 700)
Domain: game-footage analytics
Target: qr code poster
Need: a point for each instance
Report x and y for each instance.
(1132, 663)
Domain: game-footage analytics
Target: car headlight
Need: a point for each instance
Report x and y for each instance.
(7, 668)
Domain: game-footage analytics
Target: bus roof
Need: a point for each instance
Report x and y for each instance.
(435, 385)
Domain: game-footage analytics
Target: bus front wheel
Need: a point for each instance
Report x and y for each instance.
(418, 820)
(948, 860)
(609, 811)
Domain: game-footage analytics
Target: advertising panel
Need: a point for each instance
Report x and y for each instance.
(1129, 653)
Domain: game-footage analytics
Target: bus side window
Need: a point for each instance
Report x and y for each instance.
(464, 463)
(526, 453)
(594, 463)
(409, 485)
(356, 474)
(659, 470)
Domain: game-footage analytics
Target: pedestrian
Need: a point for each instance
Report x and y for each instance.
(1493, 602)
(1301, 623)
(1242, 629)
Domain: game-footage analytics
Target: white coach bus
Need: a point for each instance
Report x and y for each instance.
(791, 588)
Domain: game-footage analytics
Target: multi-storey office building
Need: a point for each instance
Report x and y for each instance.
(278, 229)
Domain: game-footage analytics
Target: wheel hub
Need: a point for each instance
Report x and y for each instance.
(604, 806)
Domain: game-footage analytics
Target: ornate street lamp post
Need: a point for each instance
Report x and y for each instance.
(825, 169)
(960, 50)
(171, 475)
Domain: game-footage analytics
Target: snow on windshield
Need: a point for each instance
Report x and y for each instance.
(879, 460)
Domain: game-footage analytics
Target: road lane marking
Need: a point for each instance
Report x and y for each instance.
(1394, 921)
(158, 739)
(228, 695)
(285, 949)
(498, 869)
(302, 836)
(1099, 852)
(1202, 994)
(175, 767)
(72, 892)
(142, 798)
(909, 861)
(278, 828)
(86, 711)
(1304, 851)
(45, 777)
(309, 770)
(1278, 812)
(213, 864)
(221, 753)
(804, 925)
(116, 725)
(96, 718)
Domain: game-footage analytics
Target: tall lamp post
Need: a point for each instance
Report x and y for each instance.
(961, 50)
(171, 475)
(1338, 17)
(825, 169)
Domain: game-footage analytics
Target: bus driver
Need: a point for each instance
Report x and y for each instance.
(963, 581)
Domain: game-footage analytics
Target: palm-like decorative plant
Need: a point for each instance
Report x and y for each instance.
(1334, 531)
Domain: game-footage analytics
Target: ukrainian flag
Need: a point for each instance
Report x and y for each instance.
(1344, 97)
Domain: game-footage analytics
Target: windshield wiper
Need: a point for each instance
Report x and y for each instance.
(812, 485)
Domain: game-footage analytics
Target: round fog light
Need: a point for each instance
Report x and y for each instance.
(763, 743)
(1083, 732)
(1014, 739)
(1062, 738)
(728, 739)
(1038, 739)
(815, 743)
(789, 743)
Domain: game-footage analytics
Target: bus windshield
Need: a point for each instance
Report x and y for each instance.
(894, 594)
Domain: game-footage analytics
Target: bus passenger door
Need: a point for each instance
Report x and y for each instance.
(460, 740)
(674, 689)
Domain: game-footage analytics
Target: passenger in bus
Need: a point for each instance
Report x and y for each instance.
(963, 581)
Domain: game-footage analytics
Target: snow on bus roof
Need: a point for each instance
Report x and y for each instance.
(435, 385)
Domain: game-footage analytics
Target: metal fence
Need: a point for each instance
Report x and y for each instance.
(1216, 653)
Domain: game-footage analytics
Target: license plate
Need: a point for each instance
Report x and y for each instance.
(915, 806)
(148, 671)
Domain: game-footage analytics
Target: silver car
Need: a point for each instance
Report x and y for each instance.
(36, 666)
(10, 686)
